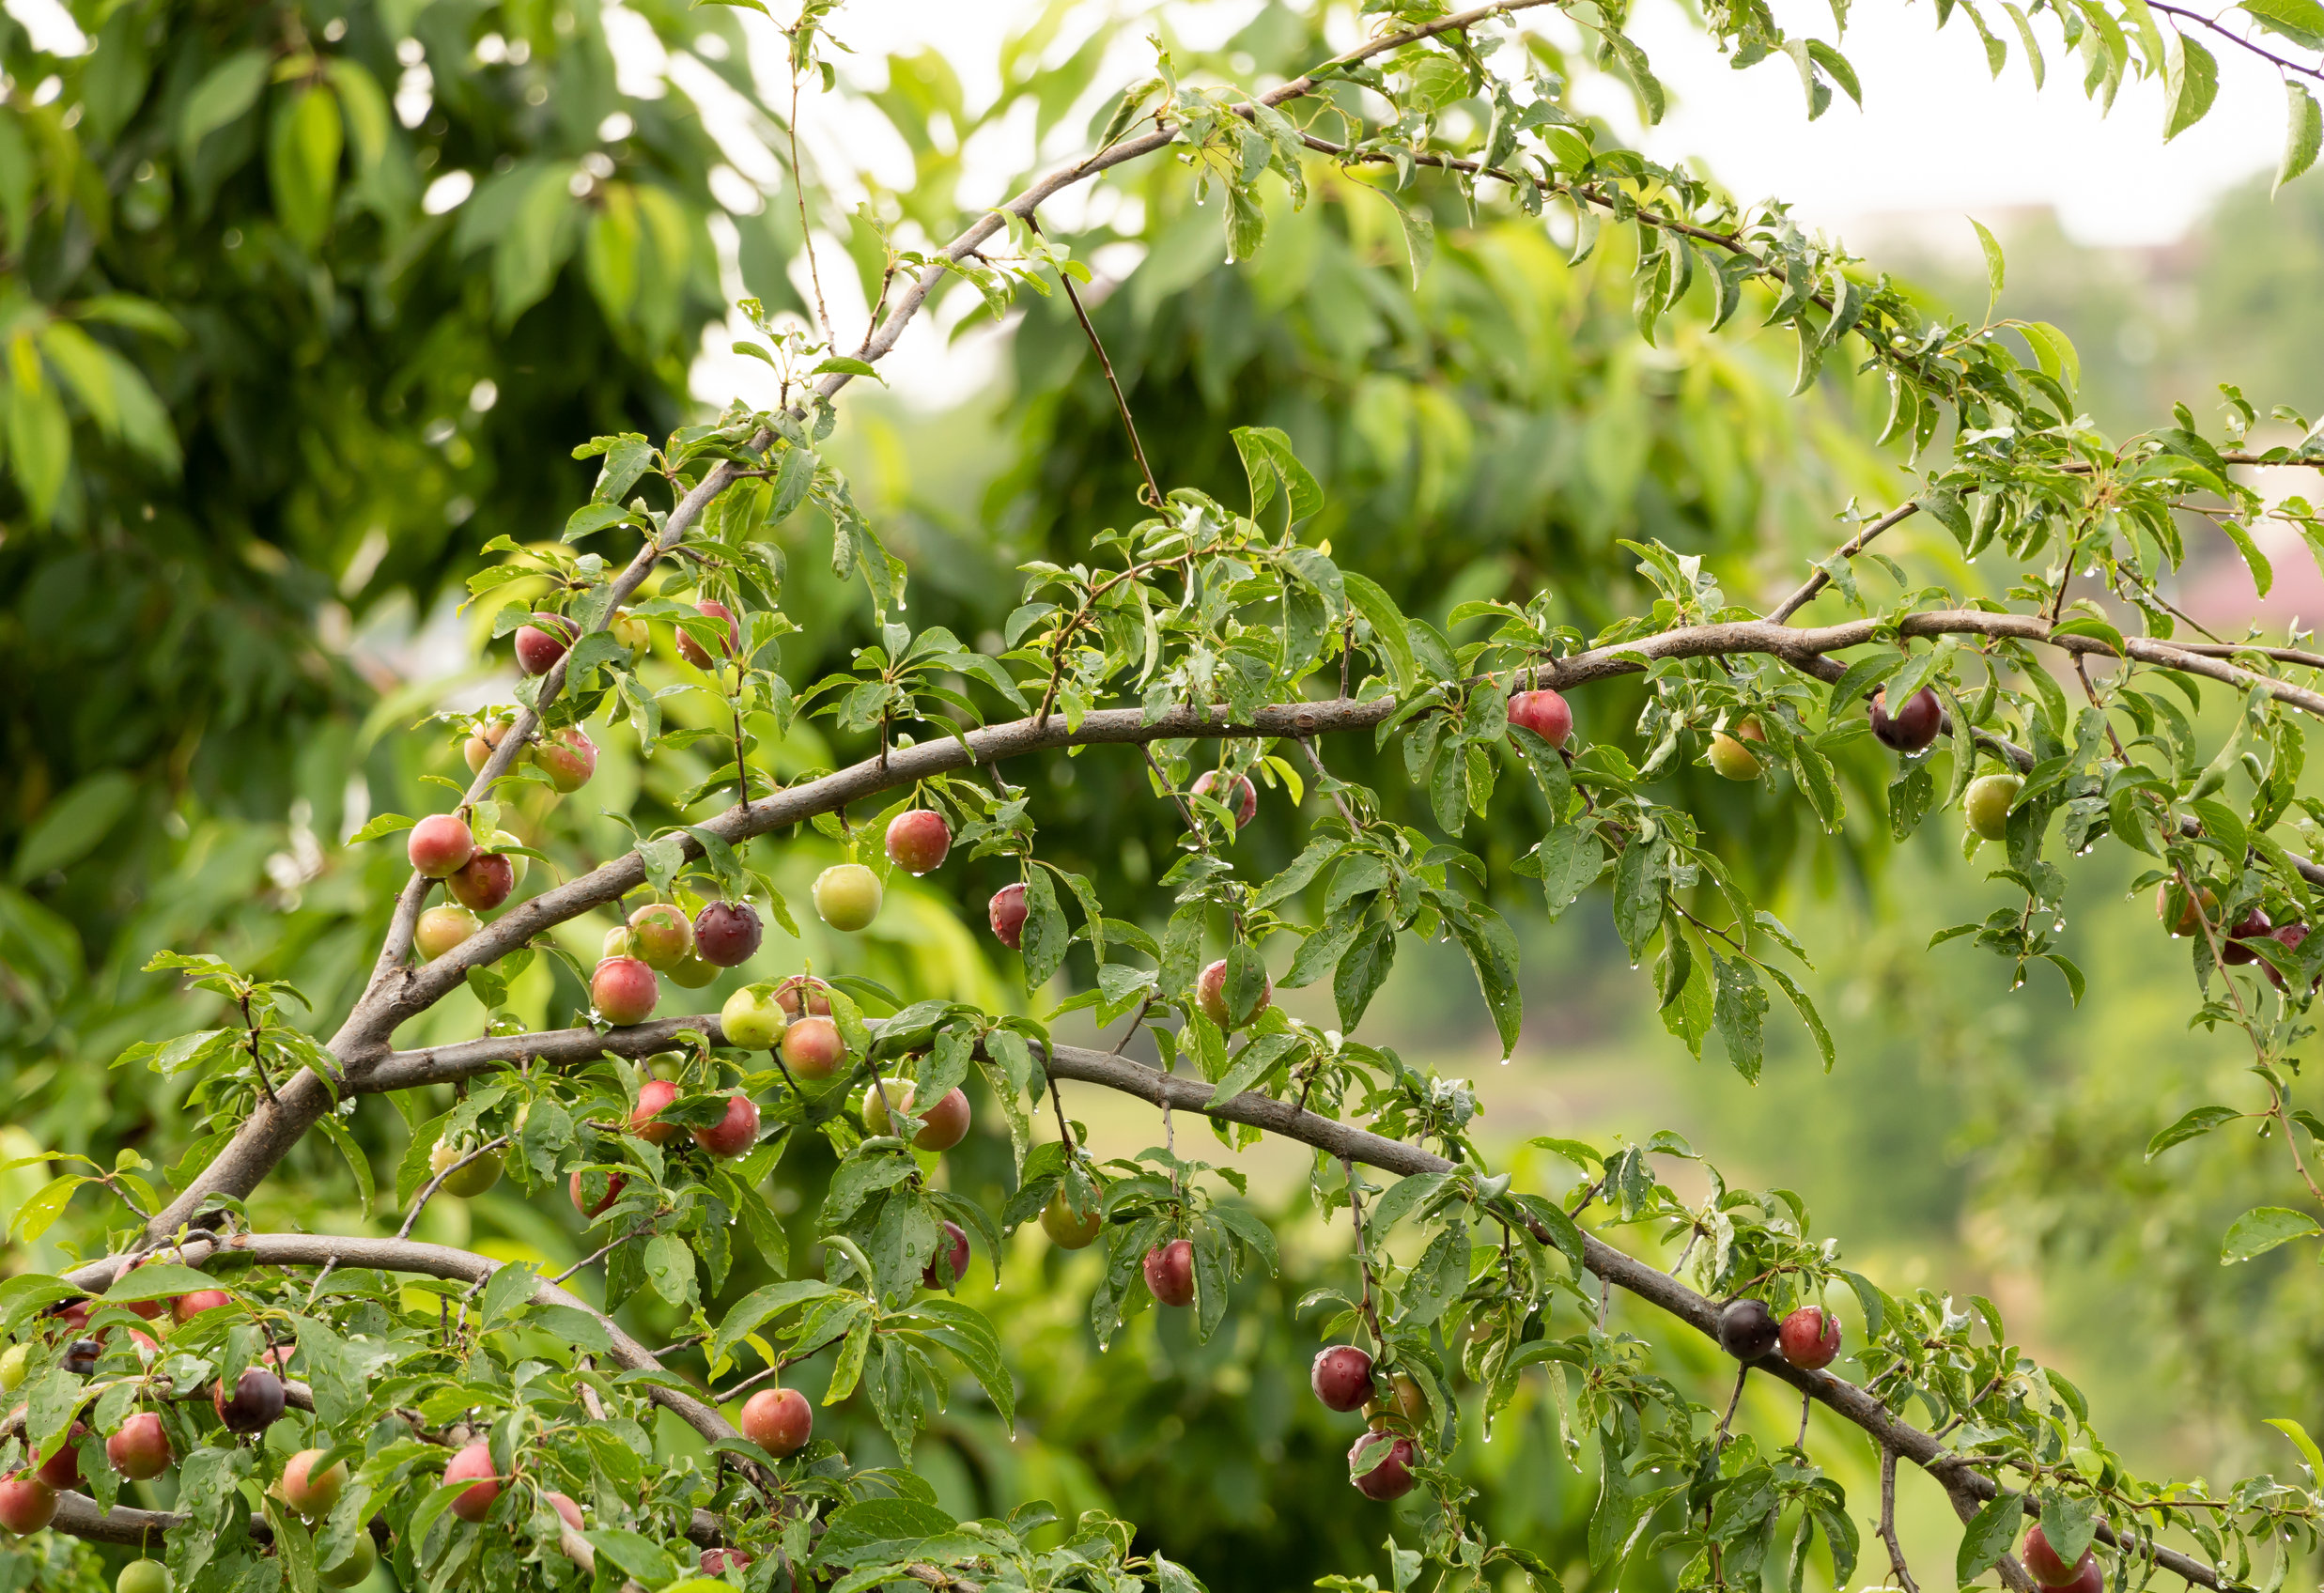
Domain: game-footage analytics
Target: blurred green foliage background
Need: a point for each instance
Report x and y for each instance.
(319, 388)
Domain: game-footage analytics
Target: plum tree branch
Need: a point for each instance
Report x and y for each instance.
(363, 1041)
(421, 1259)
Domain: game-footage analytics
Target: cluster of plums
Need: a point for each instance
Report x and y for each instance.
(658, 938)
(1809, 1337)
(477, 878)
(139, 1449)
(2186, 915)
(1913, 728)
(1344, 1379)
(2050, 1571)
(542, 642)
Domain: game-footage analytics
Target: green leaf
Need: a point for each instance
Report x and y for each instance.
(69, 827)
(2189, 84)
(1991, 1533)
(303, 162)
(1996, 268)
(1388, 626)
(1362, 971)
(229, 90)
(2299, 21)
(158, 1281)
(1419, 229)
(2260, 1231)
(640, 1556)
(2304, 132)
(2299, 1435)
(2199, 1122)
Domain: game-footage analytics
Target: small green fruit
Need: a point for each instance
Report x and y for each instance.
(12, 1365)
(1067, 1228)
(352, 1571)
(847, 896)
(469, 1180)
(753, 1018)
(1987, 802)
(1730, 758)
(144, 1576)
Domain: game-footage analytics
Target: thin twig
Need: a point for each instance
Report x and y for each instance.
(1153, 494)
(806, 228)
(1363, 1254)
(597, 1255)
(1897, 1567)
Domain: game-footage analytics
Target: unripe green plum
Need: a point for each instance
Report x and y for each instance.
(2189, 910)
(362, 1556)
(144, 1576)
(661, 937)
(468, 1181)
(1402, 1407)
(12, 1365)
(1070, 1230)
(692, 973)
(1732, 759)
(442, 928)
(1987, 803)
(632, 631)
(847, 896)
(753, 1018)
(480, 747)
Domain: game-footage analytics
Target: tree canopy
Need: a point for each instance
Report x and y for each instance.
(1404, 568)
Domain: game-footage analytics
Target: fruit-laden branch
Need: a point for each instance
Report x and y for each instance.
(274, 1127)
(1954, 1471)
(426, 1260)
